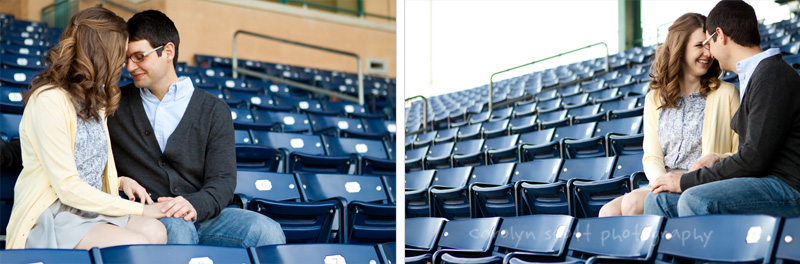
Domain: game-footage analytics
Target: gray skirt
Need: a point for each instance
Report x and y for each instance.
(63, 226)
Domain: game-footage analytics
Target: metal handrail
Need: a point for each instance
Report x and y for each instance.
(491, 79)
(424, 112)
(236, 70)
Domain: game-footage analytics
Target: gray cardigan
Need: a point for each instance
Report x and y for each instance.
(768, 124)
(199, 161)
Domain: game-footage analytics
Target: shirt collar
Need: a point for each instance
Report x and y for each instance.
(746, 67)
(176, 91)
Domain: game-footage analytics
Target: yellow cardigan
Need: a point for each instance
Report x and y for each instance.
(47, 135)
(721, 105)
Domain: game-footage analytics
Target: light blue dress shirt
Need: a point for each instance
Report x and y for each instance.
(164, 115)
(746, 67)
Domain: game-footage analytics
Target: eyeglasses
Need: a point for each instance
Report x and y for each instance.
(705, 42)
(139, 56)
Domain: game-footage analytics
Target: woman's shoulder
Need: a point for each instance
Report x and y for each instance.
(726, 89)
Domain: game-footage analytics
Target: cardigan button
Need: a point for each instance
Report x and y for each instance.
(162, 163)
(147, 132)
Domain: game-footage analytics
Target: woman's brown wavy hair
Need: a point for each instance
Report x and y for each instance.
(667, 69)
(87, 62)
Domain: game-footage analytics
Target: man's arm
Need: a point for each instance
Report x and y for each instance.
(767, 128)
(219, 179)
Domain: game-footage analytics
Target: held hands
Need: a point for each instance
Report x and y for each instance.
(178, 207)
(669, 182)
(133, 189)
(706, 161)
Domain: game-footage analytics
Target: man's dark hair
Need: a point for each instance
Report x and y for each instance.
(737, 19)
(156, 28)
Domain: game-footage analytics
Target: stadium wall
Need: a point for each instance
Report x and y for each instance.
(207, 27)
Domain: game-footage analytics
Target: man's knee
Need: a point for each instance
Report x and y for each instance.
(180, 231)
(694, 201)
(264, 230)
(652, 203)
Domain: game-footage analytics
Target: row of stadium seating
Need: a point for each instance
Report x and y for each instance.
(626, 239)
(195, 254)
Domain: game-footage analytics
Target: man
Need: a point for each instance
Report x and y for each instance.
(178, 142)
(763, 177)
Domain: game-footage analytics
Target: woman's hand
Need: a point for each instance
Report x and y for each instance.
(705, 161)
(153, 210)
(132, 189)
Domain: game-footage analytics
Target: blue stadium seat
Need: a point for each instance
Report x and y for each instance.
(718, 238)
(440, 154)
(17, 77)
(11, 99)
(424, 139)
(553, 198)
(548, 106)
(9, 126)
(575, 100)
(585, 114)
(423, 237)
(317, 253)
(553, 119)
(48, 256)
(20, 50)
(786, 251)
(500, 114)
(375, 217)
(469, 132)
(363, 150)
(539, 238)
(136, 254)
(416, 193)
(306, 153)
(624, 239)
(523, 124)
(459, 238)
(21, 62)
(495, 128)
(281, 121)
(627, 165)
(525, 109)
(453, 203)
(624, 145)
(415, 159)
(446, 135)
(277, 195)
(331, 125)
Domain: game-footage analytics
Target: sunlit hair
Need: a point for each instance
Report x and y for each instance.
(667, 69)
(87, 62)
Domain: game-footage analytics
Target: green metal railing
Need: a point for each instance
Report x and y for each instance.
(491, 79)
(424, 111)
(358, 12)
(237, 70)
(58, 14)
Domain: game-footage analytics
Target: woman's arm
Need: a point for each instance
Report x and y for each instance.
(50, 112)
(653, 159)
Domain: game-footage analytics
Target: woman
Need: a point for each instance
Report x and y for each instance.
(687, 112)
(67, 195)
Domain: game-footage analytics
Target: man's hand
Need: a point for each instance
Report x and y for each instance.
(178, 207)
(133, 188)
(669, 182)
(705, 161)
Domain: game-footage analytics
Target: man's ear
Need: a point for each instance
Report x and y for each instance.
(169, 50)
(720, 36)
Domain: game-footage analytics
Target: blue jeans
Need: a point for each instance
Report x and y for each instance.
(233, 227)
(766, 195)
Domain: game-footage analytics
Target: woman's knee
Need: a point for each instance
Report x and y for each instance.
(633, 203)
(153, 230)
(611, 208)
